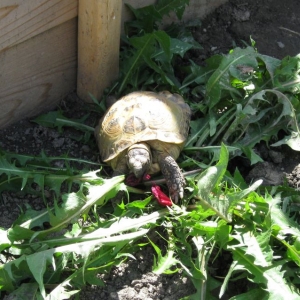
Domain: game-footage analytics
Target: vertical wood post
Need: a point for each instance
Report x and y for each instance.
(99, 25)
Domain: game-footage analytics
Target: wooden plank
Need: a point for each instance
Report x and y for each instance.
(21, 20)
(38, 73)
(99, 28)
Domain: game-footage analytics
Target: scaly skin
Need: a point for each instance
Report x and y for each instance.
(139, 159)
(173, 175)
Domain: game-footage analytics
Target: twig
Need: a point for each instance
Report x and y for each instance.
(162, 180)
(289, 30)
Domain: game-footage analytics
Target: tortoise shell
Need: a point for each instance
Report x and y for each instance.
(159, 119)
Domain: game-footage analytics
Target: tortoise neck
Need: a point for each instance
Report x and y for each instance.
(140, 146)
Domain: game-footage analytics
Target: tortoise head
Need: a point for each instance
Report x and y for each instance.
(139, 159)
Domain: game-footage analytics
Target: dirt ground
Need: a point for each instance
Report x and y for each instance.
(274, 25)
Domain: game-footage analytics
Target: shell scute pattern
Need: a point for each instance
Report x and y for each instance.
(134, 125)
(162, 118)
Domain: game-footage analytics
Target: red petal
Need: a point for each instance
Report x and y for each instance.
(146, 177)
(131, 180)
(161, 197)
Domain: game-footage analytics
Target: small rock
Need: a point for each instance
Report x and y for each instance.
(57, 143)
(85, 148)
(276, 157)
(266, 171)
(113, 295)
(280, 45)
(241, 15)
(138, 286)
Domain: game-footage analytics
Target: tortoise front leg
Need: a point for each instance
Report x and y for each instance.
(173, 175)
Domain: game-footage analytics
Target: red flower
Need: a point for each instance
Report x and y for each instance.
(131, 180)
(161, 197)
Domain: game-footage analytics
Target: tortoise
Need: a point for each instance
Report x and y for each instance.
(144, 133)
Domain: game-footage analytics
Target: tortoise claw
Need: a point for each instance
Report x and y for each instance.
(174, 177)
(176, 193)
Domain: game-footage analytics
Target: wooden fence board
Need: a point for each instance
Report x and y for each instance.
(21, 20)
(38, 50)
(99, 27)
(36, 74)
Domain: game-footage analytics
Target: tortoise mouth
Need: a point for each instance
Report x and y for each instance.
(131, 180)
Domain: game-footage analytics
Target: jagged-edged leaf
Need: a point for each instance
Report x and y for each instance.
(37, 264)
(220, 79)
(252, 155)
(209, 180)
(57, 119)
(256, 246)
(61, 292)
(163, 263)
(4, 240)
(292, 140)
(271, 64)
(179, 47)
(287, 75)
(281, 222)
(25, 291)
(252, 294)
(75, 204)
(271, 277)
(18, 232)
(10, 170)
(238, 196)
(166, 6)
(293, 251)
(277, 286)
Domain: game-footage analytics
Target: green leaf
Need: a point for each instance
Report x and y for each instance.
(37, 264)
(4, 240)
(271, 64)
(26, 291)
(209, 180)
(166, 6)
(252, 155)
(57, 119)
(252, 294)
(292, 140)
(11, 170)
(256, 246)
(6, 279)
(287, 75)
(280, 221)
(179, 47)
(77, 203)
(163, 264)
(144, 46)
(220, 79)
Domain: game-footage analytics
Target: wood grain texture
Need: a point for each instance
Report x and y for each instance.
(21, 20)
(36, 74)
(99, 29)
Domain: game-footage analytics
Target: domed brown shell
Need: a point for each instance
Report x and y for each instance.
(162, 118)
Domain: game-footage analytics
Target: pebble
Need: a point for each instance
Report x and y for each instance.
(85, 148)
(280, 44)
